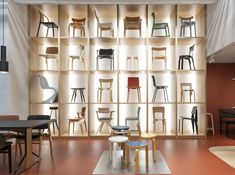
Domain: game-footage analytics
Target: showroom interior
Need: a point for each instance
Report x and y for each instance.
(117, 87)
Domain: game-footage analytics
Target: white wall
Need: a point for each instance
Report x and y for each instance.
(220, 25)
(14, 89)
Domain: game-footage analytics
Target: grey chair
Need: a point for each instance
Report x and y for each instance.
(186, 22)
(133, 118)
(160, 26)
(188, 57)
(164, 88)
(44, 85)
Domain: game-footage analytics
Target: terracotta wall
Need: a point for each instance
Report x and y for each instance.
(220, 88)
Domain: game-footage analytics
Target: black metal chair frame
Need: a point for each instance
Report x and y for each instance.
(188, 57)
(105, 53)
(164, 88)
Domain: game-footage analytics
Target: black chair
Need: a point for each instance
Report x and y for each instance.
(105, 53)
(5, 148)
(37, 136)
(187, 22)
(188, 57)
(160, 26)
(44, 20)
(164, 88)
(193, 119)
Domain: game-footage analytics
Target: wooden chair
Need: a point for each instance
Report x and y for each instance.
(105, 54)
(51, 53)
(160, 110)
(193, 119)
(134, 118)
(5, 148)
(81, 119)
(164, 88)
(160, 26)
(159, 53)
(107, 119)
(132, 59)
(102, 87)
(54, 117)
(80, 57)
(187, 22)
(44, 20)
(36, 136)
(103, 27)
(184, 88)
(77, 24)
(132, 23)
(133, 83)
(188, 57)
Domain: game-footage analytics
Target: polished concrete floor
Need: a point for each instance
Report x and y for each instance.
(79, 157)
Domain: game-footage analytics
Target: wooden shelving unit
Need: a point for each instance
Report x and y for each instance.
(61, 76)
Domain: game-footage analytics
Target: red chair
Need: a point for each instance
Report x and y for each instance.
(133, 83)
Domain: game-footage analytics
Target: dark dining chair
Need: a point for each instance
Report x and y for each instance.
(193, 119)
(188, 57)
(105, 53)
(160, 26)
(5, 148)
(186, 22)
(44, 20)
(132, 23)
(164, 88)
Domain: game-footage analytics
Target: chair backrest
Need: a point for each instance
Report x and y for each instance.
(159, 110)
(191, 50)
(133, 82)
(194, 113)
(132, 19)
(153, 15)
(138, 113)
(77, 21)
(82, 51)
(40, 117)
(103, 82)
(154, 81)
(138, 129)
(43, 17)
(9, 117)
(83, 112)
(160, 52)
(43, 82)
(96, 16)
(186, 86)
(103, 110)
(52, 50)
(106, 52)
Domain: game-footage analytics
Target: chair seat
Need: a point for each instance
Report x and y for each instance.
(188, 23)
(132, 118)
(159, 58)
(34, 135)
(137, 144)
(148, 135)
(105, 119)
(160, 25)
(133, 87)
(159, 119)
(185, 56)
(161, 87)
(48, 56)
(50, 24)
(186, 118)
(53, 108)
(120, 128)
(104, 88)
(106, 25)
(75, 56)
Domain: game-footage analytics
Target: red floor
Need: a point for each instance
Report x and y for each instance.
(79, 157)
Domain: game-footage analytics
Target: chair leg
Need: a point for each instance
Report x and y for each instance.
(190, 31)
(193, 64)
(182, 124)
(152, 32)
(168, 30)
(47, 32)
(154, 95)
(166, 94)
(196, 125)
(192, 121)
(179, 66)
(39, 25)
(139, 95)
(53, 31)
(110, 95)
(154, 149)
(190, 66)
(73, 126)
(195, 30)
(181, 95)
(9, 158)
(81, 128)
(69, 128)
(128, 95)
(85, 125)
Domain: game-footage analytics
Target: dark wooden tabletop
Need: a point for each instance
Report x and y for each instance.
(22, 124)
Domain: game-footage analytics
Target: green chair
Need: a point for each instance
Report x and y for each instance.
(160, 26)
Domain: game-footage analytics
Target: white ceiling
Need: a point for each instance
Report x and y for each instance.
(117, 1)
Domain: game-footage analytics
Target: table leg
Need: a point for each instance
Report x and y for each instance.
(28, 147)
(154, 149)
(114, 162)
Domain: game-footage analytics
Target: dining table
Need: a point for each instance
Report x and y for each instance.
(25, 127)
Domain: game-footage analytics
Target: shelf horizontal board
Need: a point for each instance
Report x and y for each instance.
(190, 71)
(74, 40)
(44, 40)
(132, 41)
(48, 71)
(161, 41)
(162, 71)
(104, 41)
(132, 71)
(74, 71)
(186, 103)
(190, 40)
(162, 103)
(104, 71)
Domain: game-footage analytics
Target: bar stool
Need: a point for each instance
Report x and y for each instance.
(74, 95)
(136, 145)
(54, 109)
(187, 87)
(212, 128)
(113, 143)
(132, 59)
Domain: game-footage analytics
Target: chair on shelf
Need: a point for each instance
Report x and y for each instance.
(103, 27)
(193, 119)
(107, 119)
(36, 135)
(188, 57)
(132, 23)
(77, 24)
(80, 57)
(44, 85)
(105, 84)
(187, 22)
(105, 53)
(211, 127)
(159, 53)
(132, 59)
(54, 117)
(5, 148)
(184, 88)
(51, 53)
(81, 119)
(159, 26)
(164, 88)
(160, 110)
(148, 136)
(133, 118)
(133, 83)
(44, 20)
(74, 95)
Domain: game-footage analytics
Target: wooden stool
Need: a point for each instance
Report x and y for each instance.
(187, 87)
(114, 141)
(74, 96)
(54, 120)
(212, 128)
(137, 145)
(132, 59)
